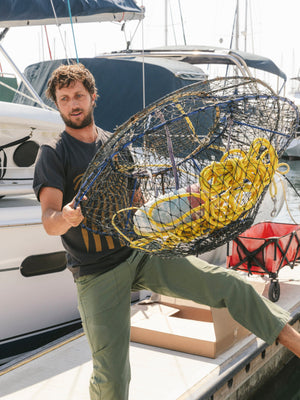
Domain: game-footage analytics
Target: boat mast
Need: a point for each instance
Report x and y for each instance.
(237, 25)
(246, 25)
(166, 22)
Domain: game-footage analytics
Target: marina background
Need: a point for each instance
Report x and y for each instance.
(268, 28)
(272, 31)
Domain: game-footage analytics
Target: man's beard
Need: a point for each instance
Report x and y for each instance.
(85, 122)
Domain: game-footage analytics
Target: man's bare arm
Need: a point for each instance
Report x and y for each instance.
(57, 220)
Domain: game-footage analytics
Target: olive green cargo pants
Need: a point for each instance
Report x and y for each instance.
(104, 305)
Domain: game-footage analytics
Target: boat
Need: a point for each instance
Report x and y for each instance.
(37, 268)
(22, 130)
(37, 292)
(293, 150)
(123, 71)
(244, 63)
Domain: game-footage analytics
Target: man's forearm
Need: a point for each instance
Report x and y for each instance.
(54, 222)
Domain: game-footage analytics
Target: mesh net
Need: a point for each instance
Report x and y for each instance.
(188, 173)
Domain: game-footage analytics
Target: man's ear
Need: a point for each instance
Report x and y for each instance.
(94, 98)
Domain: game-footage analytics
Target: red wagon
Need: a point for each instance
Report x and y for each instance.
(264, 249)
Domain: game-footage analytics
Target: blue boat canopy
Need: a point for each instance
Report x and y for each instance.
(40, 12)
(120, 84)
(211, 55)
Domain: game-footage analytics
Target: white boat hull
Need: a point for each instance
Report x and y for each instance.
(35, 303)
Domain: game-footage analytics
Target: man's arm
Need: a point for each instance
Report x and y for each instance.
(57, 220)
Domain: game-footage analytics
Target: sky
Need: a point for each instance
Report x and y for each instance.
(272, 30)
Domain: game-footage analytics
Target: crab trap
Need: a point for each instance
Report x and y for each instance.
(264, 249)
(188, 173)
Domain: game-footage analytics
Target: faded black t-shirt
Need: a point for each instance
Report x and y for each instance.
(61, 165)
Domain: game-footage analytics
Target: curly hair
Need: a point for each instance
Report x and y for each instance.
(64, 75)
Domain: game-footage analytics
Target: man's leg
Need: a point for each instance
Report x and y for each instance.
(194, 279)
(104, 305)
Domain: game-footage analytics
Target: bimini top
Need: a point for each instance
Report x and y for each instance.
(44, 12)
(120, 83)
(199, 54)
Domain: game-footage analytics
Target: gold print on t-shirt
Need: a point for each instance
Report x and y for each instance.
(90, 236)
(77, 182)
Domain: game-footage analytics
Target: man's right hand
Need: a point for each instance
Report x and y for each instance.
(57, 220)
(72, 215)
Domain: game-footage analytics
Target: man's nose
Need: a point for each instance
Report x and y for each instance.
(74, 103)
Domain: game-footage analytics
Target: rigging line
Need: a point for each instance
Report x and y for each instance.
(70, 14)
(3, 33)
(231, 39)
(59, 30)
(251, 27)
(173, 26)
(182, 24)
(24, 95)
(233, 27)
(133, 35)
(246, 25)
(291, 184)
(48, 44)
(143, 63)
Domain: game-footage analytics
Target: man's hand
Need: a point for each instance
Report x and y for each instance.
(57, 220)
(138, 198)
(73, 216)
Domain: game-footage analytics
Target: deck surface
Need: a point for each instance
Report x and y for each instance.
(63, 373)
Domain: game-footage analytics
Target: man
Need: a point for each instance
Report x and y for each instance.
(105, 271)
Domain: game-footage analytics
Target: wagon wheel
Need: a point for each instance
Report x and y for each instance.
(274, 291)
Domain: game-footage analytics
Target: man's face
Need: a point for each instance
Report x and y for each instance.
(75, 105)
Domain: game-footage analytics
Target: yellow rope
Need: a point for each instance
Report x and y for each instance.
(228, 189)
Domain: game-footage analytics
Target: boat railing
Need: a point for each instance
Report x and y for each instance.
(8, 85)
(26, 82)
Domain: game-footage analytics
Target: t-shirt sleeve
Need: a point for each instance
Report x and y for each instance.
(49, 170)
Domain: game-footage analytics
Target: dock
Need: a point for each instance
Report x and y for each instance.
(62, 369)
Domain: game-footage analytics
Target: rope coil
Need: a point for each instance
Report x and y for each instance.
(223, 185)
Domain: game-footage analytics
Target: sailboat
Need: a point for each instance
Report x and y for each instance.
(37, 293)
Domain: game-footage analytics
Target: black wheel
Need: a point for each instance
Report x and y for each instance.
(274, 291)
